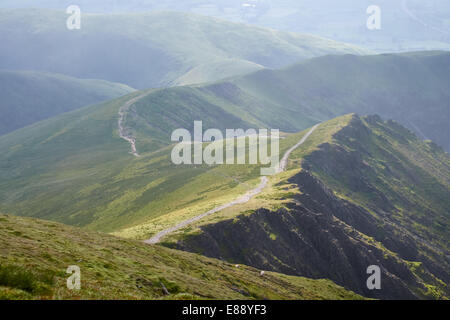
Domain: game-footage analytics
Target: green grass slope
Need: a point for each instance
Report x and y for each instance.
(27, 97)
(35, 254)
(147, 50)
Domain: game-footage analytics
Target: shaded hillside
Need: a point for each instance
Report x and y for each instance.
(374, 195)
(35, 254)
(410, 88)
(27, 97)
(147, 50)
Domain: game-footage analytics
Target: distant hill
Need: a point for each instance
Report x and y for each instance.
(147, 50)
(410, 88)
(27, 97)
(405, 24)
(226, 68)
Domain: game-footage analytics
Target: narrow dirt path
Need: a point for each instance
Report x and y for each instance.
(284, 160)
(123, 133)
(245, 198)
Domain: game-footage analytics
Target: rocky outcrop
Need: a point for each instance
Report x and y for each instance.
(307, 242)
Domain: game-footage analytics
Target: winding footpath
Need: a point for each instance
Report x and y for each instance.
(245, 198)
(122, 117)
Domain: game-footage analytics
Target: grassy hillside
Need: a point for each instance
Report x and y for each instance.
(75, 169)
(27, 97)
(359, 192)
(35, 254)
(147, 50)
(410, 88)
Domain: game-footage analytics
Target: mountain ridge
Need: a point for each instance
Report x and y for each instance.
(312, 91)
(342, 215)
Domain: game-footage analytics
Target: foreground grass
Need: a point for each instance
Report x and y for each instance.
(35, 254)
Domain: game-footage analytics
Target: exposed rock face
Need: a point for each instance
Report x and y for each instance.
(320, 235)
(308, 243)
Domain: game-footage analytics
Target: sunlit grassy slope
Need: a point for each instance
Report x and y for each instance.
(35, 254)
(147, 50)
(277, 193)
(75, 169)
(28, 96)
(208, 71)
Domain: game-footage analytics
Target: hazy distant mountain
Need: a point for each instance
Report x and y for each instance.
(148, 50)
(406, 24)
